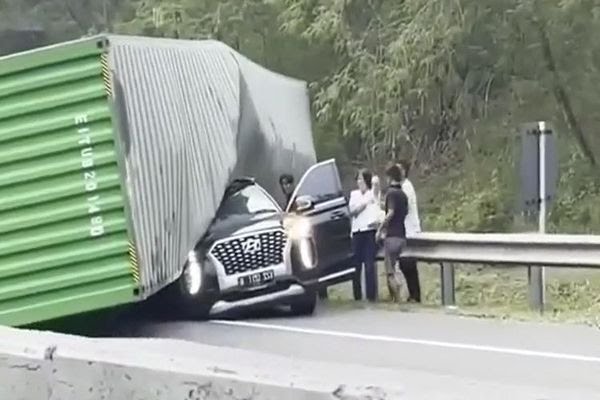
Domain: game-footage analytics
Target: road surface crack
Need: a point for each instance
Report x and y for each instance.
(28, 367)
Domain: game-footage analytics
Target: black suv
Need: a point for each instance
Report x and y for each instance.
(257, 253)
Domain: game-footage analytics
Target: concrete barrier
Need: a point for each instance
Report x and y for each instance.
(48, 366)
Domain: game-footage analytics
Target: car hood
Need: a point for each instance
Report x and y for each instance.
(240, 225)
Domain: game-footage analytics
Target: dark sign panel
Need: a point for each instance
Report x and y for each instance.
(529, 166)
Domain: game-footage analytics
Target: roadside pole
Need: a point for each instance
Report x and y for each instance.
(537, 276)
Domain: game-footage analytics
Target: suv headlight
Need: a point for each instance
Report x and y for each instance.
(300, 232)
(297, 227)
(307, 251)
(192, 274)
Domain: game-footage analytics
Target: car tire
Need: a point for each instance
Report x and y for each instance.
(305, 305)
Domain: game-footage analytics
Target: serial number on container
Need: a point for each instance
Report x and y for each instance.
(90, 176)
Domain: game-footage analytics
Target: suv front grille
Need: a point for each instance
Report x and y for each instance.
(251, 252)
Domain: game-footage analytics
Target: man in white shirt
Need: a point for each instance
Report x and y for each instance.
(412, 225)
(365, 213)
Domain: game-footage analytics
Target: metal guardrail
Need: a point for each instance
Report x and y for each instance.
(532, 250)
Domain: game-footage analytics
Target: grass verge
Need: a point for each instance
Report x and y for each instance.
(572, 296)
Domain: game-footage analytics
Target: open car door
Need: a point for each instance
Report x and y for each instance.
(319, 198)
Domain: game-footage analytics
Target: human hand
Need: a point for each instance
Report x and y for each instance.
(361, 207)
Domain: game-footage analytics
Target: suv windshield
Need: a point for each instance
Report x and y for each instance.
(249, 200)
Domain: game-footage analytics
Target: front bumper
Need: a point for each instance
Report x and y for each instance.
(284, 290)
(280, 296)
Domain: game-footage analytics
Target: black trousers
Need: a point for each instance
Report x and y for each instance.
(323, 293)
(408, 267)
(365, 253)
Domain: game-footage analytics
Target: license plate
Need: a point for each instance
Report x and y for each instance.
(257, 279)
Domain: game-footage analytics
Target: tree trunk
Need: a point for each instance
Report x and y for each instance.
(562, 98)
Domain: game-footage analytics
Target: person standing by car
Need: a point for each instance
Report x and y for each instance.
(364, 212)
(392, 229)
(286, 181)
(413, 226)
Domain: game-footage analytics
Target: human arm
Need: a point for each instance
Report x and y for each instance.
(357, 205)
(388, 216)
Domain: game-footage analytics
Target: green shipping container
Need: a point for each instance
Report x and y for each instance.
(65, 240)
(115, 152)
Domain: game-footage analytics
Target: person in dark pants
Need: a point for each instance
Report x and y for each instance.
(408, 267)
(392, 229)
(364, 211)
(412, 224)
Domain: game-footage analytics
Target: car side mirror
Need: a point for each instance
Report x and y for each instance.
(303, 203)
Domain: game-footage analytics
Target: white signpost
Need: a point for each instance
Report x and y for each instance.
(539, 177)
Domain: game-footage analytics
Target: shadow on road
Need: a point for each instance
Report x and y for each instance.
(137, 320)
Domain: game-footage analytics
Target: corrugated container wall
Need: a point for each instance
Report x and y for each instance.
(64, 242)
(196, 114)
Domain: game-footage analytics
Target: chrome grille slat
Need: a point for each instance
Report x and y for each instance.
(231, 254)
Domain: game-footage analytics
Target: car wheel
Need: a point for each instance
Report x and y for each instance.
(305, 305)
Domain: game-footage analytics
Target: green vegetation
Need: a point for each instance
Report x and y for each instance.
(445, 84)
(486, 292)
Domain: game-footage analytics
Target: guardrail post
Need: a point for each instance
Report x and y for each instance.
(447, 275)
(536, 288)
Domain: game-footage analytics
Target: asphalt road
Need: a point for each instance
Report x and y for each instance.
(435, 356)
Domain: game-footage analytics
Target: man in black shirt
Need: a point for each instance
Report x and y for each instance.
(396, 209)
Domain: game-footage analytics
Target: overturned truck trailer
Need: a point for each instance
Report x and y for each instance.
(115, 153)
